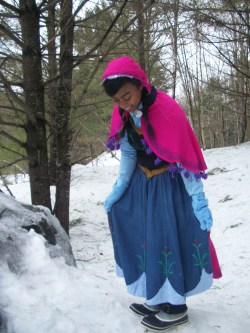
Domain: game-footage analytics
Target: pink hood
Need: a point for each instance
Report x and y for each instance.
(174, 139)
(125, 66)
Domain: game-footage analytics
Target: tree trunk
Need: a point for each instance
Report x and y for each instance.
(63, 132)
(52, 89)
(36, 145)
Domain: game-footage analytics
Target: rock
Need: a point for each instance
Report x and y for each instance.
(17, 219)
(17, 222)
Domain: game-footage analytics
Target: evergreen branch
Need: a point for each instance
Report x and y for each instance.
(85, 88)
(49, 5)
(101, 42)
(10, 34)
(53, 3)
(208, 17)
(9, 15)
(12, 163)
(104, 37)
(79, 8)
(90, 52)
(95, 15)
(12, 138)
(15, 84)
(7, 56)
(12, 151)
(7, 123)
(227, 58)
(9, 6)
(11, 108)
(10, 91)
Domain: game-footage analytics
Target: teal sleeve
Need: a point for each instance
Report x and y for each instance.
(195, 189)
(127, 166)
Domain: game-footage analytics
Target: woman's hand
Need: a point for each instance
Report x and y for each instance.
(117, 192)
(201, 211)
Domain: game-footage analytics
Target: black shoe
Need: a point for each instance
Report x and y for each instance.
(163, 321)
(174, 309)
(144, 309)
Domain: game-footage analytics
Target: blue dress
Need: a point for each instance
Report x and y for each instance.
(159, 247)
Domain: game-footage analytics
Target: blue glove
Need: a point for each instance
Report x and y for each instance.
(127, 166)
(201, 210)
(194, 188)
(117, 192)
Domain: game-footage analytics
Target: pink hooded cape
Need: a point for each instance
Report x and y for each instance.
(174, 140)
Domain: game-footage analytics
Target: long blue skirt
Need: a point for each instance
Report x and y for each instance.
(159, 247)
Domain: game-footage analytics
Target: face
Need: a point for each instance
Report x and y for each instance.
(128, 97)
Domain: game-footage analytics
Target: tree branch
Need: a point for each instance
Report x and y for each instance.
(9, 6)
(7, 123)
(10, 91)
(13, 163)
(82, 159)
(9, 15)
(79, 8)
(240, 12)
(13, 151)
(12, 138)
(6, 184)
(72, 17)
(6, 56)
(102, 40)
(85, 88)
(86, 56)
(11, 108)
(227, 58)
(96, 15)
(10, 34)
(50, 4)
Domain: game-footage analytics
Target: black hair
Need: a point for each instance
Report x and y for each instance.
(112, 86)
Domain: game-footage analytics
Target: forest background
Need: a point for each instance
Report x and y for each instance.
(53, 111)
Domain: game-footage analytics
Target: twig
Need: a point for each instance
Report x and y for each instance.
(6, 185)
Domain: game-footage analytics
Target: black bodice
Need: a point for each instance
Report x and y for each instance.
(145, 156)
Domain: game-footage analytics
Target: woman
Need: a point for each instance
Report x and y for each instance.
(157, 211)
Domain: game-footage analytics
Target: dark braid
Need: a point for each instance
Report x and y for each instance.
(146, 102)
(121, 133)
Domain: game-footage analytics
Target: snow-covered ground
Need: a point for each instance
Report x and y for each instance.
(52, 297)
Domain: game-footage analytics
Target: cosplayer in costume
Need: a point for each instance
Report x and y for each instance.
(157, 211)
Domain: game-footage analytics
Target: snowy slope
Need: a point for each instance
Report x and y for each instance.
(52, 297)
